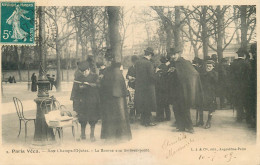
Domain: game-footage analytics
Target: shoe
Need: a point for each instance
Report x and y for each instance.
(200, 123)
(190, 130)
(150, 124)
(239, 120)
(92, 139)
(180, 130)
(160, 120)
(83, 137)
(208, 125)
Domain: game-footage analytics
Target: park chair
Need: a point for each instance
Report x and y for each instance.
(58, 118)
(19, 110)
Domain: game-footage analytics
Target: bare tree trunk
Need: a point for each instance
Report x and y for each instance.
(113, 25)
(169, 36)
(244, 27)
(28, 70)
(236, 24)
(177, 30)
(77, 47)
(204, 33)
(18, 62)
(93, 34)
(220, 27)
(58, 71)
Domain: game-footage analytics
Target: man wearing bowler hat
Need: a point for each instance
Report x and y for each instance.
(145, 98)
(240, 79)
(185, 89)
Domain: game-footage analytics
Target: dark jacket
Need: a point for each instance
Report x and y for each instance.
(209, 82)
(85, 97)
(240, 72)
(131, 72)
(145, 98)
(185, 84)
(161, 86)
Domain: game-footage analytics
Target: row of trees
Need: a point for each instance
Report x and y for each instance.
(76, 32)
(207, 27)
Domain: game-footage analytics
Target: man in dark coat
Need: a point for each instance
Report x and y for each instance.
(240, 80)
(185, 89)
(223, 81)
(145, 98)
(253, 86)
(161, 89)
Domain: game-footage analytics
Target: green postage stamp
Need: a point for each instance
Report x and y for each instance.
(17, 23)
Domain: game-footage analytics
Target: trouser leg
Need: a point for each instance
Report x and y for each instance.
(83, 128)
(160, 112)
(178, 117)
(132, 115)
(92, 130)
(187, 118)
(239, 109)
(167, 112)
(148, 117)
(222, 100)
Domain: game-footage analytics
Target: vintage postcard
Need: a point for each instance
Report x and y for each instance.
(129, 82)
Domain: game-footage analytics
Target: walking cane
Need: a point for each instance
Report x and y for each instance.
(233, 109)
(197, 116)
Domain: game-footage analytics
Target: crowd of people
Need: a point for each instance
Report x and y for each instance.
(175, 83)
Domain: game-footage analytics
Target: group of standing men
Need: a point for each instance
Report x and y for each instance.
(176, 82)
(179, 85)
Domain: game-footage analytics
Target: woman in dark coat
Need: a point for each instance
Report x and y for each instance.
(85, 96)
(115, 119)
(209, 81)
(34, 83)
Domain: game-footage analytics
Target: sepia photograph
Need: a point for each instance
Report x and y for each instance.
(134, 83)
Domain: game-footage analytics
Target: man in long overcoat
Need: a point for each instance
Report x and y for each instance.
(185, 89)
(145, 98)
(253, 85)
(240, 71)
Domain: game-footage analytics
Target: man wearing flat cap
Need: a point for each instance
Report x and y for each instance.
(145, 98)
(240, 80)
(185, 89)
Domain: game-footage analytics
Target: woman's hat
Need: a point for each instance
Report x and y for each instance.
(83, 66)
(173, 51)
(108, 55)
(149, 50)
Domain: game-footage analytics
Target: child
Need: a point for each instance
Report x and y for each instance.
(85, 98)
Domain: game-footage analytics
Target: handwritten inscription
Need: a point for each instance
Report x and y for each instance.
(172, 146)
(227, 157)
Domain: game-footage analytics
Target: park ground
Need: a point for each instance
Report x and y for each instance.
(226, 142)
